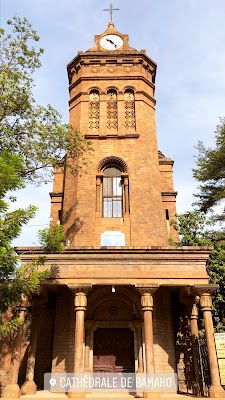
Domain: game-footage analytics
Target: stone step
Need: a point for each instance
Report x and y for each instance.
(40, 395)
(108, 397)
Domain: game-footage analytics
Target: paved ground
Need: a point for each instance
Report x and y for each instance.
(103, 396)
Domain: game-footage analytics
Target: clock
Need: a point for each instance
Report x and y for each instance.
(111, 42)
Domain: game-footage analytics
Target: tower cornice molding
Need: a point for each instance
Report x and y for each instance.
(120, 58)
(113, 78)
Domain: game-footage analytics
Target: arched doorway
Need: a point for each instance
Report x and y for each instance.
(113, 342)
(113, 350)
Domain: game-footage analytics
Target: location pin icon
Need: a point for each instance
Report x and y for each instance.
(52, 381)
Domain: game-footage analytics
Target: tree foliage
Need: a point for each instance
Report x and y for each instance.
(195, 230)
(16, 281)
(33, 141)
(27, 129)
(52, 239)
(210, 171)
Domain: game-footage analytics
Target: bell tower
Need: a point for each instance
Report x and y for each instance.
(116, 297)
(127, 197)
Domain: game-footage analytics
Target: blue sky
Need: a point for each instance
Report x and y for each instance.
(186, 38)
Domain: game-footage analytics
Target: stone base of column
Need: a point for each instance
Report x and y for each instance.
(216, 392)
(29, 387)
(76, 395)
(12, 390)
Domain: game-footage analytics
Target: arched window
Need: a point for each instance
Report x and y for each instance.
(112, 188)
(112, 117)
(112, 193)
(94, 109)
(130, 122)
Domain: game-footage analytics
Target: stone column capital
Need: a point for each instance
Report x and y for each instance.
(147, 302)
(146, 296)
(147, 289)
(194, 311)
(191, 304)
(206, 302)
(80, 289)
(80, 301)
(80, 298)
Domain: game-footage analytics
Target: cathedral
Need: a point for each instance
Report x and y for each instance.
(119, 298)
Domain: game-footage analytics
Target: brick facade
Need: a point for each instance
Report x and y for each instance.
(125, 287)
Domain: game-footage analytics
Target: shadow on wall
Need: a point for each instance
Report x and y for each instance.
(71, 223)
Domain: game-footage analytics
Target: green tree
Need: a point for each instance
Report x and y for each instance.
(34, 132)
(33, 141)
(52, 239)
(193, 228)
(210, 171)
(15, 280)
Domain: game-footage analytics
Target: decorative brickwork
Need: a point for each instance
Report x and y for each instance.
(94, 110)
(129, 109)
(112, 116)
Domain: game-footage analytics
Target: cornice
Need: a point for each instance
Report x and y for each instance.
(166, 161)
(110, 78)
(169, 194)
(56, 194)
(104, 55)
(94, 250)
(111, 136)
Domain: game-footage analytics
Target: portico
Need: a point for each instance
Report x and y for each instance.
(135, 319)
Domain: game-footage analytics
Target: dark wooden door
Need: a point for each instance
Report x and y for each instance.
(113, 350)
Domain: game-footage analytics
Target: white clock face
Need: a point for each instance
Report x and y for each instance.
(111, 42)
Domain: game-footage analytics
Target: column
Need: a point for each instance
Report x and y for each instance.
(80, 303)
(12, 390)
(98, 191)
(215, 390)
(193, 315)
(29, 386)
(147, 308)
(126, 192)
(138, 325)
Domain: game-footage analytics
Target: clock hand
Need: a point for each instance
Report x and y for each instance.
(110, 41)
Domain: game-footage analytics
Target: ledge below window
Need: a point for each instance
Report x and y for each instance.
(103, 137)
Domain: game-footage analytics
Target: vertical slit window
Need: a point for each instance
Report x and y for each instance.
(94, 110)
(112, 116)
(130, 122)
(167, 215)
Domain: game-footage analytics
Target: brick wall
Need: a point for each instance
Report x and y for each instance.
(63, 349)
(45, 342)
(164, 354)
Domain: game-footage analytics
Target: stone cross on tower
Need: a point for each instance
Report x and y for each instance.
(111, 10)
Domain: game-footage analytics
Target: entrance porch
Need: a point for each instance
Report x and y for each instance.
(115, 310)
